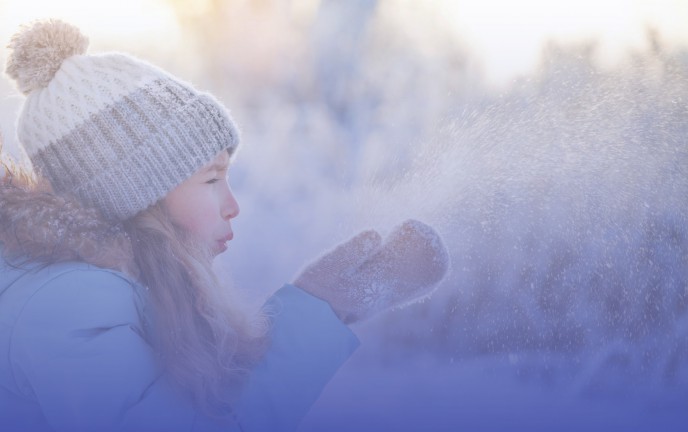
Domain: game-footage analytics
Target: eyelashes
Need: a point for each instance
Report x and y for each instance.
(221, 175)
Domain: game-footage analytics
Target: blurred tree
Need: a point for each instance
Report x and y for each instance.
(339, 35)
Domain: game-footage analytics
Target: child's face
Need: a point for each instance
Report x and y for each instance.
(204, 205)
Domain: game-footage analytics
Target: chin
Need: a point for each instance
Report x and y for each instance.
(219, 248)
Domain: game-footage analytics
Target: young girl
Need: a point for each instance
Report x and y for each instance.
(110, 316)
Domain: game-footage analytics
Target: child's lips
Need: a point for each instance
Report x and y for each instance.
(222, 243)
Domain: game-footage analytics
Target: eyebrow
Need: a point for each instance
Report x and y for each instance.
(215, 167)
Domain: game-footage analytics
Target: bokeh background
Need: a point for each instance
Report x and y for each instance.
(546, 140)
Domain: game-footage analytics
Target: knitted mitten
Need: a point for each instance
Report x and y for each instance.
(364, 276)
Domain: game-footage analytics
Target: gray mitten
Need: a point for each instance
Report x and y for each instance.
(364, 276)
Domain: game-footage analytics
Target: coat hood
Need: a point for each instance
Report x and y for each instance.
(9, 273)
(37, 225)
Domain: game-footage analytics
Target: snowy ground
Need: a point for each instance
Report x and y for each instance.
(479, 395)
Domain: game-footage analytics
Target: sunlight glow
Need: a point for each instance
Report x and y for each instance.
(149, 22)
(509, 35)
(505, 36)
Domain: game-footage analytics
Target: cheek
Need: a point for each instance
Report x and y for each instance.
(197, 218)
(187, 211)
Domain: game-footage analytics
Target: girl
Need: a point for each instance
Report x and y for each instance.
(110, 316)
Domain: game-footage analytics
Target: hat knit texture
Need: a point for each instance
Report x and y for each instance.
(113, 131)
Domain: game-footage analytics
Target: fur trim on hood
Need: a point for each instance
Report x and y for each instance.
(36, 224)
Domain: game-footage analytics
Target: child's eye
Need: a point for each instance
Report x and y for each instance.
(212, 181)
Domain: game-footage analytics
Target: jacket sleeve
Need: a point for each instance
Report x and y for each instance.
(308, 345)
(78, 350)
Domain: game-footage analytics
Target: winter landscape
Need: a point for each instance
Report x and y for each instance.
(561, 192)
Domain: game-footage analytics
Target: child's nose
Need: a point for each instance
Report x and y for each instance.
(230, 206)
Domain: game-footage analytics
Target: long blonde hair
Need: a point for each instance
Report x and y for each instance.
(202, 337)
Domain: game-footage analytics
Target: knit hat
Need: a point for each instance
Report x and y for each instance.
(113, 131)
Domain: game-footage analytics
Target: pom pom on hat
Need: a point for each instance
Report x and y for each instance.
(38, 51)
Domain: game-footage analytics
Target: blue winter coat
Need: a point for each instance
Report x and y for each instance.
(73, 357)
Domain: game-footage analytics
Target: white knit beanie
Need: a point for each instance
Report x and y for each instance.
(113, 131)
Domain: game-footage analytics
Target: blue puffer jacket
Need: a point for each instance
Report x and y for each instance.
(73, 357)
